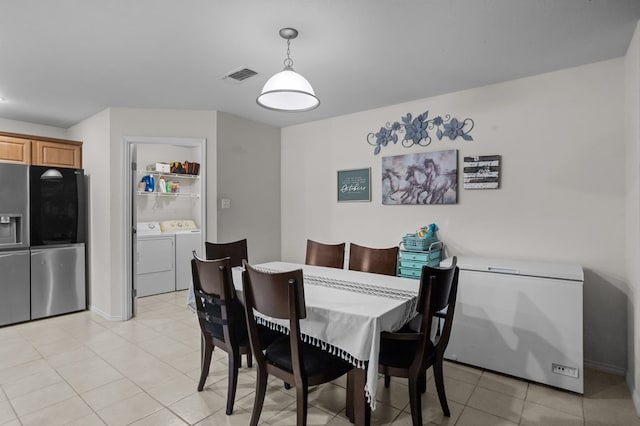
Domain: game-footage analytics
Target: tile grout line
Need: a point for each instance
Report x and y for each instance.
(64, 379)
(15, 413)
(475, 386)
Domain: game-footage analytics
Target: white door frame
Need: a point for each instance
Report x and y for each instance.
(127, 206)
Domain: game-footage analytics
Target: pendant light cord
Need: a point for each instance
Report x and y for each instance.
(288, 63)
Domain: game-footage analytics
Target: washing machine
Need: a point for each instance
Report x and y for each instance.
(155, 260)
(188, 239)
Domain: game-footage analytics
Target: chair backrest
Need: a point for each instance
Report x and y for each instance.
(438, 290)
(236, 251)
(216, 301)
(277, 295)
(330, 255)
(378, 261)
(270, 293)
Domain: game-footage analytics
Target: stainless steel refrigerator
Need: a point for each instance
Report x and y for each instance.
(14, 244)
(58, 237)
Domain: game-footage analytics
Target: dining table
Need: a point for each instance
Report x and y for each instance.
(346, 312)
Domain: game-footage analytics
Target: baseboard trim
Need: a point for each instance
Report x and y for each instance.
(636, 399)
(608, 368)
(103, 314)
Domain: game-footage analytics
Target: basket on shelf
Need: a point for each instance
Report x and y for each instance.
(421, 239)
(418, 250)
(185, 168)
(414, 242)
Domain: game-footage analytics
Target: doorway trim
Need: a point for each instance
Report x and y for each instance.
(127, 206)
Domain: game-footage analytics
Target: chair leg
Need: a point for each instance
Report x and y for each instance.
(438, 377)
(235, 359)
(415, 400)
(249, 359)
(302, 393)
(287, 386)
(206, 348)
(387, 380)
(261, 390)
(423, 382)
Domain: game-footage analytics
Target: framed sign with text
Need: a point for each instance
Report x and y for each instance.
(481, 172)
(354, 185)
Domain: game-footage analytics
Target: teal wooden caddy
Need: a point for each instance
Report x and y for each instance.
(416, 252)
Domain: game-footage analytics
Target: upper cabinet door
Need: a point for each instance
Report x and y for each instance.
(57, 154)
(15, 150)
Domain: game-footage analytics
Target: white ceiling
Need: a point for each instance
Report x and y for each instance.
(65, 60)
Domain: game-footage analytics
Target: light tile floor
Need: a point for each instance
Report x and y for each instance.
(80, 369)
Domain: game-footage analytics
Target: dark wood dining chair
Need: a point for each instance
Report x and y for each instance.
(222, 319)
(375, 260)
(320, 254)
(409, 353)
(281, 296)
(236, 251)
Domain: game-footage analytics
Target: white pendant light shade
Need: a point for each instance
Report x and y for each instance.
(288, 91)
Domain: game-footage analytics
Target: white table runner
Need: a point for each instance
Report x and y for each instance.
(347, 311)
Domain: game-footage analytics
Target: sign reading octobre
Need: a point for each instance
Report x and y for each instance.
(354, 185)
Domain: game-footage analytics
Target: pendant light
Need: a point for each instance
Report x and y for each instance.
(288, 90)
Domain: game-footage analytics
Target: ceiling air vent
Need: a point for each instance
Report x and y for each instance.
(240, 74)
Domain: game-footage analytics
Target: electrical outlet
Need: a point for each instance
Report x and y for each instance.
(564, 370)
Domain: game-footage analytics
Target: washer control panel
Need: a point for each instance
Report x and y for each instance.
(178, 225)
(148, 228)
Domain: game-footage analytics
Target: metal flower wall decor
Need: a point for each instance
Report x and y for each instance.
(416, 131)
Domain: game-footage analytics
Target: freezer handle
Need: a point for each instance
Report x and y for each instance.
(503, 270)
(46, 249)
(13, 253)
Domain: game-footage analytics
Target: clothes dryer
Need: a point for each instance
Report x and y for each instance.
(155, 260)
(188, 239)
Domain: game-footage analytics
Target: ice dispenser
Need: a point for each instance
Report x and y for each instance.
(10, 227)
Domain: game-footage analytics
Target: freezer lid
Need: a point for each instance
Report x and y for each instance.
(561, 271)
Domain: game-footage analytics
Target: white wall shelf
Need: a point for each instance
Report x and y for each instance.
(168, 175)
(169, 194)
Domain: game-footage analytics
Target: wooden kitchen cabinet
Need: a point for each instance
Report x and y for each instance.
(15, 150)
(40, 150)
(56, 153)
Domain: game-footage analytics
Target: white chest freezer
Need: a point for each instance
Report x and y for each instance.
(520, 318)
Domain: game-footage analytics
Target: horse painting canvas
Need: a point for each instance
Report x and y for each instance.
(425, 178)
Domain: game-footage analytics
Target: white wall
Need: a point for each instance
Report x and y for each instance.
(152, 123)
(632, 141)
(249, 175)
(562, 195)
(103, 149)
(14, 126)
(94, 132)
(250, 159)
